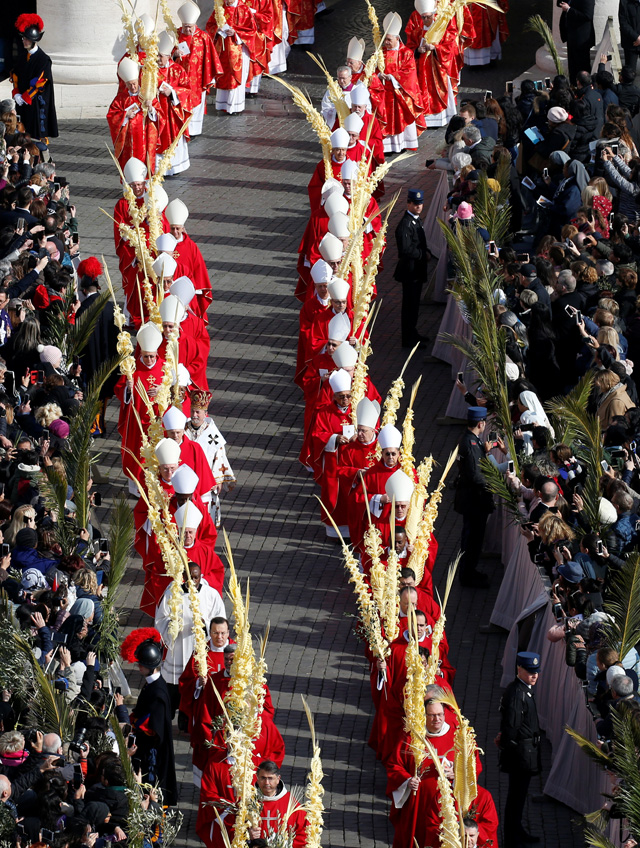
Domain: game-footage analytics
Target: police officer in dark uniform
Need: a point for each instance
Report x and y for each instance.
(473, 500)
(519, 743)
(411, 270)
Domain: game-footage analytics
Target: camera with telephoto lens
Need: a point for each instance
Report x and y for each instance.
(76, 743)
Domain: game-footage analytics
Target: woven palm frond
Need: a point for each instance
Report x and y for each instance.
(336, 94)
(314, 118)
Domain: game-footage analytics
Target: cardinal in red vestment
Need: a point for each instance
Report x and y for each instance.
(197, 55)
(134, 126)
(134, 417)
(235, 45)
(177, 102)
(374, 87)
(436, 63)
(402, 97)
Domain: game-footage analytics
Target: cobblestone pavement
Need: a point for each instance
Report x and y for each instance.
(246, 191)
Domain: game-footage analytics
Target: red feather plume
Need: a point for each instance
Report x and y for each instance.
(25, 21)
(90, 267)
(136, 638)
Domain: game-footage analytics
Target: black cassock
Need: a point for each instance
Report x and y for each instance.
(101, 346)
(151, 720)
(33, 79)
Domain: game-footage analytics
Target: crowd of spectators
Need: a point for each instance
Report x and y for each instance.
(52, 791)
(569, 311)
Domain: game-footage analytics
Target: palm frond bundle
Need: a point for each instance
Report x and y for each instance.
(415, 720)
(537, 24)
(465, 786)
(369, 615)
(314, 790)
(407, 460)
(438, 630)
(314, 118)
(377, 37)
(336, 94)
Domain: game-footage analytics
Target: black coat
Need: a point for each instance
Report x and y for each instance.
(471, 487)
(519, 730)
(629, 20)
(32, 77)
(576, 25)
(101, 347)
(413, 253)
(151, 720)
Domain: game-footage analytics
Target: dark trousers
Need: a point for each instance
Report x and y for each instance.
(474, 524)
(631, 57)
(578, 59)
(411, 293)
(514, 808)
(174, 695)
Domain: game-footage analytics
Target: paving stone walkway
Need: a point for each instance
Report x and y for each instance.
(246, 191)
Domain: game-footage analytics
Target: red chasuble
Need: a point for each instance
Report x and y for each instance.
(139, 135)
(403, 106)
(435, 67)
(128, 427)
(174, 116)
(240, 19)
(201, 64)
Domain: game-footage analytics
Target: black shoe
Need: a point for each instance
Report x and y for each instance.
(528, 838)
(429, 162)
(475, 580)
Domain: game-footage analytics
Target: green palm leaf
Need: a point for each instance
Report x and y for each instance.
(76, 456)
(591, 750)
(623, 604)
(78, 334)
(120, 545)
(537, 24)
(51, 708)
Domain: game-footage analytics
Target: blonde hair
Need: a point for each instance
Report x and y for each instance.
(601, 187)
(11, 742)
(87, 580)
(17, 522)
(48, 413)
(552, 528)
(607, 335)
(605, 380)
(39, 180)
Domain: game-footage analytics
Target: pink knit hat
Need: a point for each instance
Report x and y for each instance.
(59, 428)
(465, 211)
(50, 354)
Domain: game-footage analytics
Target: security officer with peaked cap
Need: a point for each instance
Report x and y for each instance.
(519, 743)
(473, 500)
(411, 270)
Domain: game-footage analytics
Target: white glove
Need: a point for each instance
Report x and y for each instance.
(19, 99)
